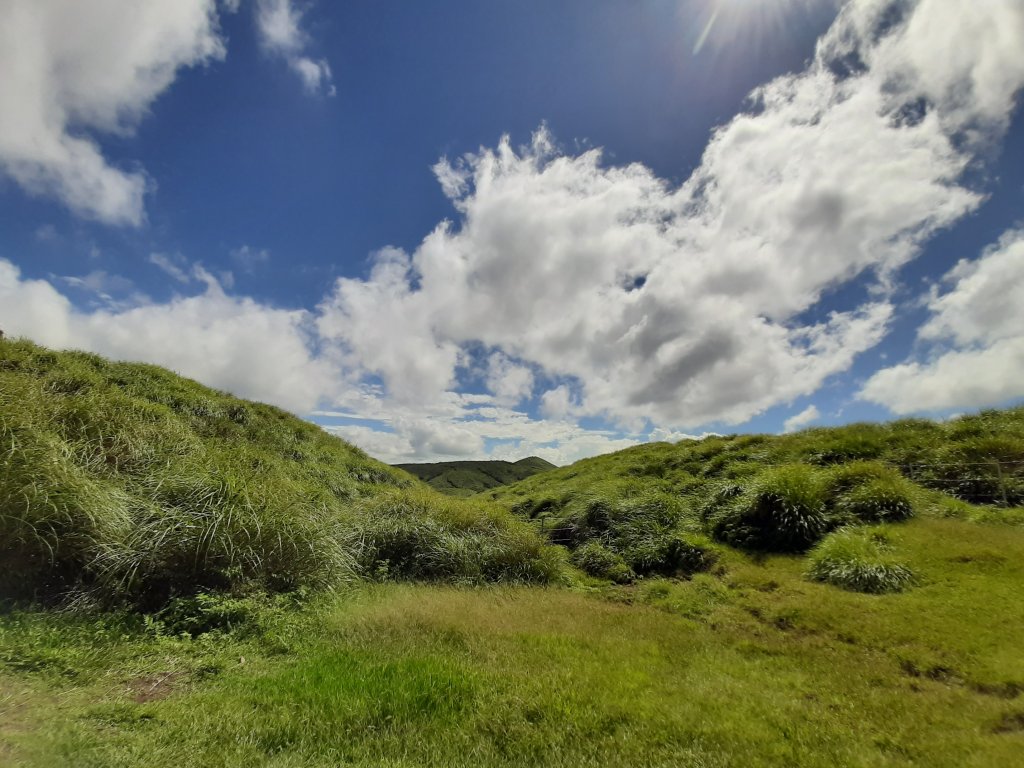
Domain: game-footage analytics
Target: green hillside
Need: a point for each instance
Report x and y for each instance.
(236, 587)
(120, 480)
(652, 508)
(464, 478)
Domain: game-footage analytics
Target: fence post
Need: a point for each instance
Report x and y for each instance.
(1002, 485)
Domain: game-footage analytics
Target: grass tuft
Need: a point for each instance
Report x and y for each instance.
(859, 560)
(781, 510)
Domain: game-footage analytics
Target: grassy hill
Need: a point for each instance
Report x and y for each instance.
(239, 588)
(125, 481)
(656, 508)
(464, 478)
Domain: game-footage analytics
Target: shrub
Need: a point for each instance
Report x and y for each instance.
(596, 560)
(781, 510)
(670, 554)
(859, 560)
(421, 534)
(865, 491)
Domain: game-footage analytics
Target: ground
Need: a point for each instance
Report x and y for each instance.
(753, 665)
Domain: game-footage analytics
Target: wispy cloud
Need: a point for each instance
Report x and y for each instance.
(808, 415)
(279, 23)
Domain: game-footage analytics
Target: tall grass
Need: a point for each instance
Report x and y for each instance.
(784, 492)
(782, 509)
(127, 481)
(860, 560)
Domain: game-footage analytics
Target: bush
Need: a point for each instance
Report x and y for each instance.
(859, 560)
(865, 491)
(781, 510)
(670, 554)
(596, 560)
(421, 534)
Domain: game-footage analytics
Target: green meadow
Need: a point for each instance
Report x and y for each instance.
(194, 580)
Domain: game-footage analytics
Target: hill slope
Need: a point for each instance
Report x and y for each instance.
(126, 480)
(464, 478)
(648, 508)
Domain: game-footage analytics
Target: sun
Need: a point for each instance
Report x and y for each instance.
(725, 23)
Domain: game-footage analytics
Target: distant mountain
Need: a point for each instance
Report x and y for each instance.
(464, 478)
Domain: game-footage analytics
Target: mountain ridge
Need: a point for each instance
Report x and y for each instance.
(464, 478)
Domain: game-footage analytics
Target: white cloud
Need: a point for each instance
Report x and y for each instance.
(171, 266)
(70, 68)
(279, 24)
(226, 342)
(510, 383)
(688, 305)
(662, 435)
(557, 403)
(976, 337)
(808, 415)
(250, 258)
(648, 304)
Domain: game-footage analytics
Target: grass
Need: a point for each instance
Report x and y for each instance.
(780, 493)
(748, 665)
(859, 560)
(218, 583)
(123, 482)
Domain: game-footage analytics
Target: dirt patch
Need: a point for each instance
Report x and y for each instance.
(152, 687)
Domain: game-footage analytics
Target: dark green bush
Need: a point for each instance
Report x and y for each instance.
(781, 510)
(867, 491)
(670, 554)
(596, 560)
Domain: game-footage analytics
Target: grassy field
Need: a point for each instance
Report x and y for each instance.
(750, 665)
(189, 579)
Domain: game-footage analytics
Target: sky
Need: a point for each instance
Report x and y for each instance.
(454, 229)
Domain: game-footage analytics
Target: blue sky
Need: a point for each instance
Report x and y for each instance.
(461, 229)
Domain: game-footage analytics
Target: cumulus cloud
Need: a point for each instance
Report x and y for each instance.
(808, 415)
(509, 382)
(279, 24)
(226, 342)
(975, 337)
(604, 290)
(687, 305)
(71, 69)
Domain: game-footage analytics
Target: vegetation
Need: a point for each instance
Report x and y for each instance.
(773, 493)
(751, 664)
(859, 560)
(464, 478)
(228, 582)
(125, 481)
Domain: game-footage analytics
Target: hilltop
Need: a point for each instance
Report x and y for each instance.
(464, 478)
